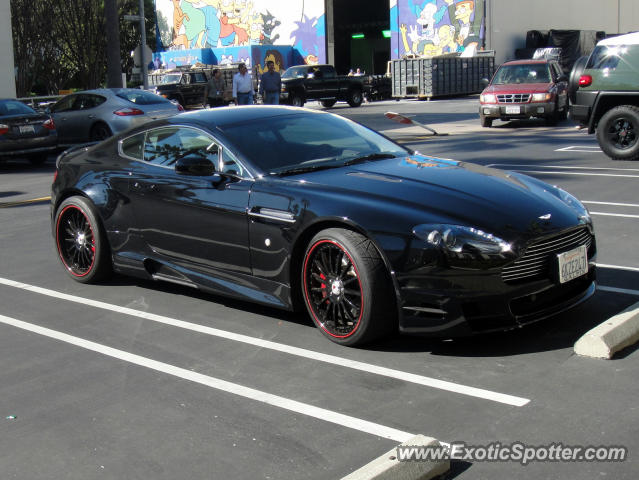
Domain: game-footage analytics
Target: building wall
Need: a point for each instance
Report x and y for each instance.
(7, 76)
(508, 21)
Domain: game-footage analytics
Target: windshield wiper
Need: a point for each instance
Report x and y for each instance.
(366, 158)
(309, 168)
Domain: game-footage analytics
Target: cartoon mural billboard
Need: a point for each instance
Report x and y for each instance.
(436, 27)
(232, 24)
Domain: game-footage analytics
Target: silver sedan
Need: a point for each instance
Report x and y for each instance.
(93, 115)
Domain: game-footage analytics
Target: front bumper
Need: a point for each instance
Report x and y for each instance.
(517, 110)
(441, 301)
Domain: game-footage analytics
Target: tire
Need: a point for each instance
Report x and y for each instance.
(80, 241)
(297, 101)
(618, 133)
(355, 98)
(100, 131)
(346, 288)
(553, 118)
(328, 103)
(38, 158)
(575, 74)
(485, 121)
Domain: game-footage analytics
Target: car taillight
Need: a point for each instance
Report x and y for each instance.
(55, 176)
(180, 108)
(126, 112)
(585, 81)
(4, 128)
(48, 124)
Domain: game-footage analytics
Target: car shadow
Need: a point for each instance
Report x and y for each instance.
(554, 333)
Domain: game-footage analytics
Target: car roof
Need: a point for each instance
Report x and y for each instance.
(222, 116)
(527, 62)
(627, 39)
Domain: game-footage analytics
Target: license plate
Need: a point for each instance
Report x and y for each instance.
(27, 129)
(513, 109)
(573, 264)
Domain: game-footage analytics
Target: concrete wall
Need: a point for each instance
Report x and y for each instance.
(508, 21)
(7, 75)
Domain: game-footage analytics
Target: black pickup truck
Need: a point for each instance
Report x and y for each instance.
(187, 88)
(320, 82)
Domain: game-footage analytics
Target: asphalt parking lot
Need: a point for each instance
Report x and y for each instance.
(136, 380)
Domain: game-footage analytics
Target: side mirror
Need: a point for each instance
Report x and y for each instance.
(195, 165)
(484, 82)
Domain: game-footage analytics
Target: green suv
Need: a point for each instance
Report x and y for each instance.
(607, 100)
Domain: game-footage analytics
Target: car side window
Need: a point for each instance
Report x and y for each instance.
(133, 146)
(164, 146)
(230, 164)
(65, 104)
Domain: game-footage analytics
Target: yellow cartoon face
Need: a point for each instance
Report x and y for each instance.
(228, 7)
(445, 34)
(271, 58)
(257, 27)
(463, 11)
(431, 50)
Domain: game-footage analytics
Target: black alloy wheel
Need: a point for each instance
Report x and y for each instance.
(618, 133)
(346, 287)
(297, 101)
(100, 131)
(355, 98)
(81, 245)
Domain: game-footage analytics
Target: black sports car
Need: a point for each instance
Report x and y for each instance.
(291, 207)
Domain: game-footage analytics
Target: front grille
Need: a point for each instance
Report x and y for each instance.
(536, 262)
(513, 98)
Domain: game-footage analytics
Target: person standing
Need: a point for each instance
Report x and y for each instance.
(270, 85)
(242, 86)
(215, 89)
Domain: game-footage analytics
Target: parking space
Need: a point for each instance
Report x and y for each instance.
(134, 379)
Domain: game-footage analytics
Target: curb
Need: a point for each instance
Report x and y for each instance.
(613, 335)
(387, 467)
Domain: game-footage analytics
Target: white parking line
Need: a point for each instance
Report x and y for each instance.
(579, 149)
(283, 348)
(617, 267)
(563, 167)
(589, 202)
(619, 290)
(605, 214)
(219, 384)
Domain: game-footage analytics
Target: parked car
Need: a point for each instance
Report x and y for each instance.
(302, 83)
(25, 132)
(186, 88)
(525, 89)
(288, 206)
(607, 100)
(93, 115)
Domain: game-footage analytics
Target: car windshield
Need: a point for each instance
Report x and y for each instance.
(140, 97)
(534, 73)
(13, 107)
(171, 78)
(295, 72)
(299, 142)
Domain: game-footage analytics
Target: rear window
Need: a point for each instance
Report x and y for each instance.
(606, 56)
(14, 108)
(141, 97)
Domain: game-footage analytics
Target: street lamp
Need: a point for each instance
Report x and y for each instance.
(140, 18)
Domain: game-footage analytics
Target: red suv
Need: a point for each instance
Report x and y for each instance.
(525, 89)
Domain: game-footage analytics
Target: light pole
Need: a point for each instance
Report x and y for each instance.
(140, 18)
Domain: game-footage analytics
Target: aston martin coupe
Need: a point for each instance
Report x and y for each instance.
(293, 208)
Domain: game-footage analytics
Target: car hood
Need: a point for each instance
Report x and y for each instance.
(518, 88)
(447, 191)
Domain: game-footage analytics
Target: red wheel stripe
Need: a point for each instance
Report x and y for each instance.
(306, 293)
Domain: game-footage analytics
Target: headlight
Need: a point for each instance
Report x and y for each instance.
(487, 98)
(541, 97)
(466, 247)
(575, 204)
